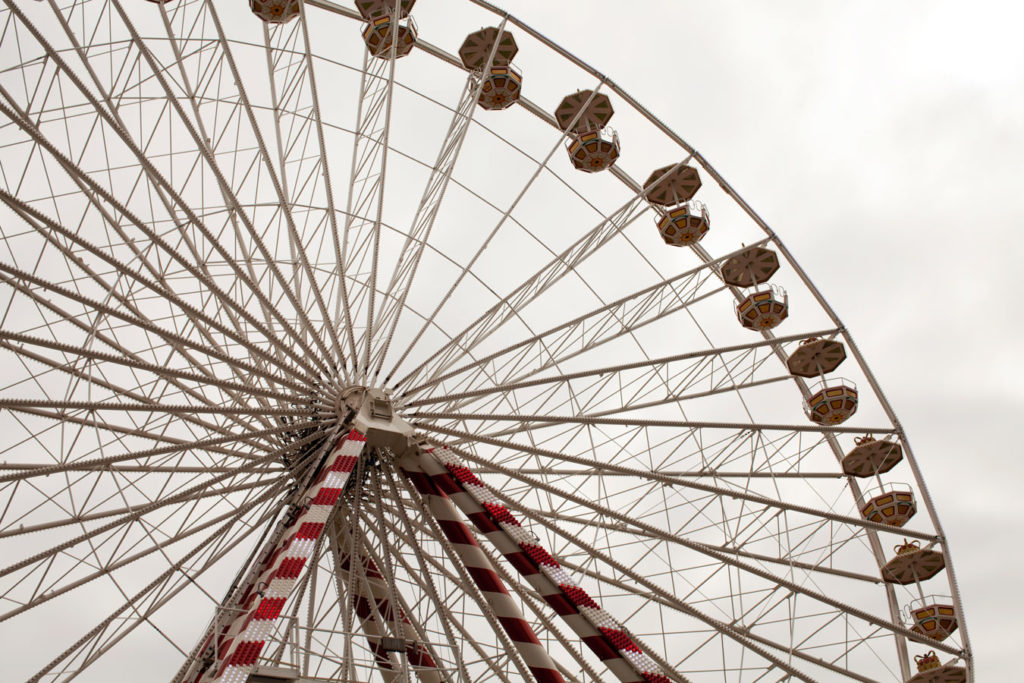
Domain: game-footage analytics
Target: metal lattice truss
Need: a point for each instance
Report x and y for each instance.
(314, 370)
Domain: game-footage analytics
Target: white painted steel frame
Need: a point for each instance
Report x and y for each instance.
(299, 352)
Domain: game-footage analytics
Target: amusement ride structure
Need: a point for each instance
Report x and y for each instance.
(349, 342)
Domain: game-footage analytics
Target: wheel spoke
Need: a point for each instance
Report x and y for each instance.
(720, 556)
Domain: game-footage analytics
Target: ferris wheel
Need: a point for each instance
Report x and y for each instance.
(352, 343)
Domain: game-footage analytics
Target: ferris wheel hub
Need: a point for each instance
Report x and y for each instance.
(371, 411)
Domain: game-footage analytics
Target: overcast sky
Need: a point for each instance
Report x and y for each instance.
(883, 142)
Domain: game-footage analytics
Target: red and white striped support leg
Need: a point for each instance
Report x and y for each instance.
(601, 632)
(239, 645)
(418, 656)
(537, 660)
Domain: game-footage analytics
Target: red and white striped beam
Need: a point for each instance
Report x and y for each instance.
(418, 656)
(480, 570)
(598, 629)
(238, 646)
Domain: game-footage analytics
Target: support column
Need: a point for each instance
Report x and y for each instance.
(233, 646)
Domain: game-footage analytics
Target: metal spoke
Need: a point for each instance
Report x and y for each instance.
(598, 467)
(652, 367)
(426, 211)
(721, 556)
(137, 598)
(546, 420)
(588, 331)
(193, 219)
(559, 267)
